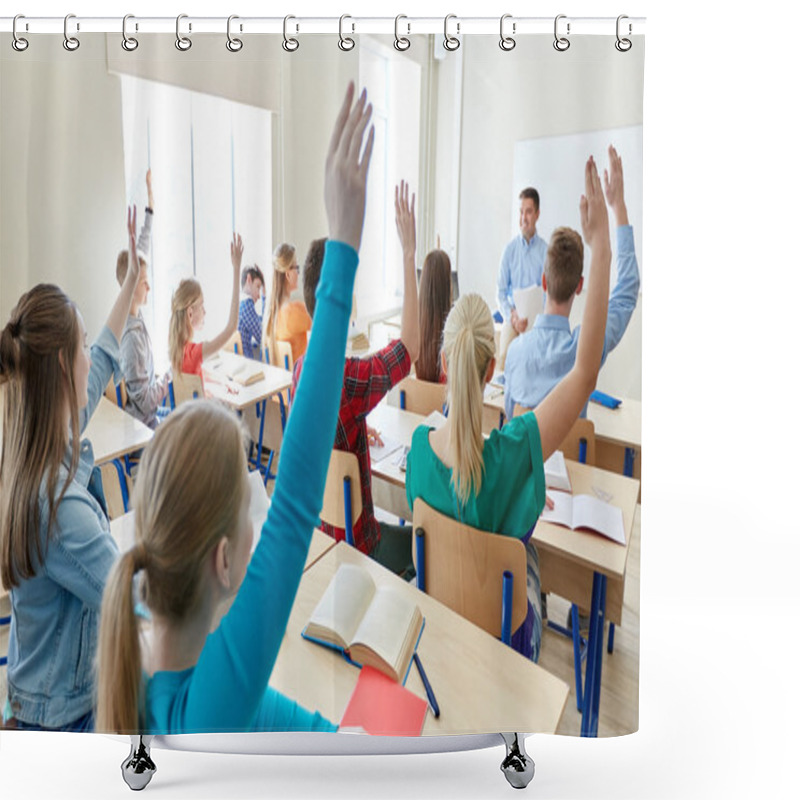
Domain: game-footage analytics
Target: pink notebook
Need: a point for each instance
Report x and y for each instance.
(384, 708)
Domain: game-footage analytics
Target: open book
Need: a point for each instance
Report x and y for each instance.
(529, 302)
(374, 626)
(585, 511)
(246, 372)
(555, 473)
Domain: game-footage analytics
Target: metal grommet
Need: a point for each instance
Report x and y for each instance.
(71, 43)
(129, 43)
(289, 44)
(346, 43)
(233, 44)
(507, 42)
(451, 42)
(401, 43)
(17, 41)
(561, 43)
(183, 43)
(622, 44)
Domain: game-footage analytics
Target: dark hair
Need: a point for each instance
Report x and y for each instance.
(38, 348)
(252, 272)
(435, 290)
(564, 264)
(529, 193)
(311, 272)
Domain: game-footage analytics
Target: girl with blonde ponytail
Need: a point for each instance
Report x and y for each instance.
(497, 484)
(193, 537)
(288, 320)
(56, 550)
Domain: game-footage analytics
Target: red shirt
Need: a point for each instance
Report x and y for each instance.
(366, 382)
(192, 358)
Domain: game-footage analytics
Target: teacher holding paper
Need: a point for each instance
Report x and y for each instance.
(521, 266)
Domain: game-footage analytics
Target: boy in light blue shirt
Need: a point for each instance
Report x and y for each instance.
(542, 356)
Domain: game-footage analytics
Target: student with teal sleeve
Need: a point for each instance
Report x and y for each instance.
(540, 357)
(193, 537)
(497, 484)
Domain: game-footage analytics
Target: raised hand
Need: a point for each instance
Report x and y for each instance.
(594, 214)
(615, 185)
(345, 175)
(133, 257)
(237, 248)
(405, 219)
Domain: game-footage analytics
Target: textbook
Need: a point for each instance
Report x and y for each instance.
(585, 511)
(246, 373)
(555, 473)
(371, 626)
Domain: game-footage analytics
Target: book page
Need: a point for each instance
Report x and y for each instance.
(385, 625)
(561, 514)
(555, 472)
(434, 420)
(529, 302)
(589, 512)
(345, 600)
(379, 452)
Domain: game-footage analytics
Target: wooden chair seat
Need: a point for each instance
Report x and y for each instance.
(421, 397)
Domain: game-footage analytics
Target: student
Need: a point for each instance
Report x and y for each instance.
(249, 319)
(288, 319)
(497, 484)
(539, 358)
(193, 535)
(366, 382)
(55, 547)
(188, 316)
(145, 391)
(521, 266)
(435, 299)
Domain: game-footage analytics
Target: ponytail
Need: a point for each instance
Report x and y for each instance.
(119, 657)
(468, 347)
(282, 260)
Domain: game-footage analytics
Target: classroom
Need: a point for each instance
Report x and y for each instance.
(236, 145)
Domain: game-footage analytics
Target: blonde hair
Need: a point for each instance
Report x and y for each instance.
(282, 260)
(468, 345)
(38, 348)
(180, 329)
(186, 502)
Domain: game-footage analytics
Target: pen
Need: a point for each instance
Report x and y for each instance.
(431, 697)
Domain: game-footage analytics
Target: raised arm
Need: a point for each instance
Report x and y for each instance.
(615, 187)
(407, 231)
(219, 341)
(122, 305)
(558, 411)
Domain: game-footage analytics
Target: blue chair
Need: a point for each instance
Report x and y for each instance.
(479, 575)
(341, 503)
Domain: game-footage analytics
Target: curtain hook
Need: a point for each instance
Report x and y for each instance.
(401, 43)
(129, 43)
(290, 44)
(451, 42)
(623, 45)
(507, 42)
(17, 41)
(561, 43)
(346, 43)
(71, 43)
(183, 43)
(233, 44)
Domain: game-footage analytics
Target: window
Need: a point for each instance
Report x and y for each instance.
(393, 84)
(212, 175)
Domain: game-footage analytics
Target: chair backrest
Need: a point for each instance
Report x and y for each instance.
(464, 569)
(283, 352)
(117, 394)
(234, 344)
(341, 465)
(421, 397)
(581, 431)
(186, 387)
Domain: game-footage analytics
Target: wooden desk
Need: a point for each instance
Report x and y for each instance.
(114, 433)
(481, 685)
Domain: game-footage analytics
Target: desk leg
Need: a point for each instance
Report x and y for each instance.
(630, 454)
(263, 413)
(123, 483)
(594, 658)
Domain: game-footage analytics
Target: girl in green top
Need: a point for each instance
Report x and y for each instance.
(497, 484)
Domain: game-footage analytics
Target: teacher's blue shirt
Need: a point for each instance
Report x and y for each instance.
(521, 266)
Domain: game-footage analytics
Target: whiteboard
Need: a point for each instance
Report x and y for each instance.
(554, 166)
